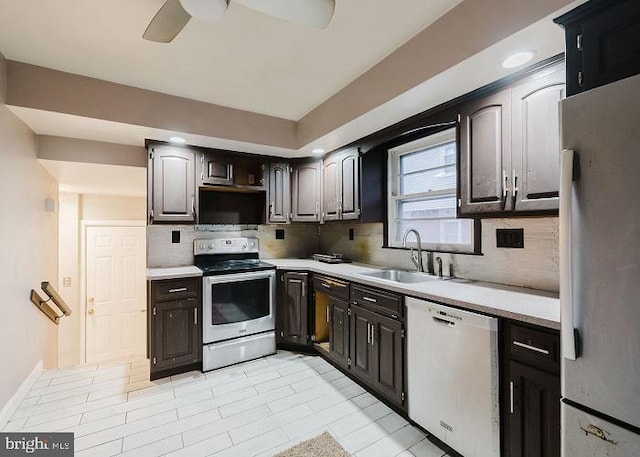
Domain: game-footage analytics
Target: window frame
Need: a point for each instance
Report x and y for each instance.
(393, 198)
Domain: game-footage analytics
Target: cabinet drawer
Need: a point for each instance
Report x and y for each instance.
(536, 347)
(175, 289)
(389, 304)
(334, 287)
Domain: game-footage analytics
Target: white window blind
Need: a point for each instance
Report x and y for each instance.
(422, 194)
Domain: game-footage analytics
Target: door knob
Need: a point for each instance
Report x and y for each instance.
(91, 311)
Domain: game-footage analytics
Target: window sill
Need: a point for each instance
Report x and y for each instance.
(432, 250)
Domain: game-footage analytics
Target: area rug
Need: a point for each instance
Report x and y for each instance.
(321, 446)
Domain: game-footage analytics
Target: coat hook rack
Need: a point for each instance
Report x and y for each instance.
(43, 305)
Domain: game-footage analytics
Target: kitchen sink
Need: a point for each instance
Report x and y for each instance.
(400, 276)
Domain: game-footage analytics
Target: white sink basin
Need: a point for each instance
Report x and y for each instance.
(402, 276)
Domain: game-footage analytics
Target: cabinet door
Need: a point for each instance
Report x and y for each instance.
(296, 305)
(536, 142)
(331, 175)
(349, 197)
(177, 339)
(362, 350)
(485, 155)
(172, 183)
(388, 344)
(279, 193)
(533, 422)
(339, 332)
(305, 195)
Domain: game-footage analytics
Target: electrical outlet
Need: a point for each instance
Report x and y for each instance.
(279, 234)
(352, 234)
(510, 238)
(175, 236)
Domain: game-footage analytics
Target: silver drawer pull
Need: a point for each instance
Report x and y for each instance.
(181, 289)
(325, 285)
(511, 397)
(531, 348)
(372, 300)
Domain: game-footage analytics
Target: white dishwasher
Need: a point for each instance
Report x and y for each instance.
(452, 366)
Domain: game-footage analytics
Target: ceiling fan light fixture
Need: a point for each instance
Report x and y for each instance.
(315, 13)
(205, 10)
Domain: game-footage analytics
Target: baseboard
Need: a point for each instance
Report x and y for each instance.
(12, 405)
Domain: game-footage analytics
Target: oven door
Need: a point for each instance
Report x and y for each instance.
(238, 304)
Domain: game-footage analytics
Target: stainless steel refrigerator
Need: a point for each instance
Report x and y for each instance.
(600, 271)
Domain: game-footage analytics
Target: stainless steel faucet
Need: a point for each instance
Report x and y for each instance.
(437, 267)
(416, 259)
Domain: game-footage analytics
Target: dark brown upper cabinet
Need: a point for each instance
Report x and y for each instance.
(341, 186)
(485, 154)
(536, 142)
(509, 148)
(279, 196)
(306, 182)
(215, 169)
(602, 43)
(171, 193)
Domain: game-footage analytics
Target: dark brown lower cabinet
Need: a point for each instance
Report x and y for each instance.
(534, 423)
(175, 328)
(376, 352)
(531, 399)
(293, 308)
(339, 331)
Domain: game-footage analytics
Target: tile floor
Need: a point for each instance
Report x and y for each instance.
(256, 408)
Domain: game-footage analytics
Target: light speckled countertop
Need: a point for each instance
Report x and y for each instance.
(525, 305)
(154, 274)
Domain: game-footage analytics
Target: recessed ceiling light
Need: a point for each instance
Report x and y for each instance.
(318, 151)
(177, 139)
(517, 59)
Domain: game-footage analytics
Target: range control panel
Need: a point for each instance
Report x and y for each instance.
(225, 245)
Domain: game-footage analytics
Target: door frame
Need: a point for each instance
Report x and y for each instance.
(84, 225)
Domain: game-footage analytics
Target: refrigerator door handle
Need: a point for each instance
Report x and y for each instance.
(568, 341)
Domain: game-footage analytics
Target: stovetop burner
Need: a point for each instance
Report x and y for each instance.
(229, 255)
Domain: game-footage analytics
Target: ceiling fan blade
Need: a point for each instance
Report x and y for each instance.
(316, 13)
(167, 22)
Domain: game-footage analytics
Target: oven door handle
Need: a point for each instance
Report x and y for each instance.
(237, 277)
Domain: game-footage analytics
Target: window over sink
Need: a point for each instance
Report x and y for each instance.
(422, 195)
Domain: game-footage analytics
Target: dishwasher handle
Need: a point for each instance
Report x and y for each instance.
(442, 321)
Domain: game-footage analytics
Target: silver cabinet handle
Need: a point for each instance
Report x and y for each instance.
(180, 289)
(195, 316)
(372, 300)
(505, 189)
(568, 343)
(304, 289)
(514, 190)
(368, 333)
(193, 208)
(328, 317)
(511, 397)
(325, 285)
(531, 348)
(373, 335)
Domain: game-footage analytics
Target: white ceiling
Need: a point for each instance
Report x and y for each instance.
(100, 179)
(247, 60)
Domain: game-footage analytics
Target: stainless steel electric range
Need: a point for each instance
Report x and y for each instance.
(238, 301)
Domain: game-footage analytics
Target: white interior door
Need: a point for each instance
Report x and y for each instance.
(116, 293)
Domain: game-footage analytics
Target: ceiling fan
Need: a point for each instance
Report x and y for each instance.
(175, 14)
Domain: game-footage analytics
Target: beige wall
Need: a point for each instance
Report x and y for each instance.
(87, 151)
(75, 208)
(29, 254)
(535, 266)
(107, 207)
